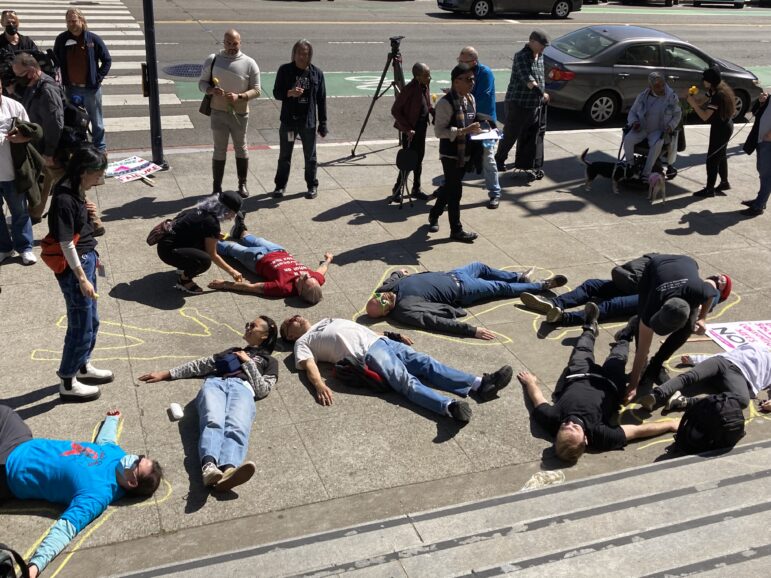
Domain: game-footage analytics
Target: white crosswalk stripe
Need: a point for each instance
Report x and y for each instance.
(44, 20)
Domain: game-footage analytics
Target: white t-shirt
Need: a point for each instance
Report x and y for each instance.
(333, 339)
(753, 360)
(9, 109)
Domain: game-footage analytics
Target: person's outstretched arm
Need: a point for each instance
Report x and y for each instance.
(647, 430)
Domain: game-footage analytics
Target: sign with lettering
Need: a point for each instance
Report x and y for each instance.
(729, 336)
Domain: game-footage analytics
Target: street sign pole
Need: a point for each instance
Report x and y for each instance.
(151, 80)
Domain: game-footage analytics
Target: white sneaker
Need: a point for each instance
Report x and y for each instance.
(70, 389)
(90, 374)
(6, 255)
(28, 258)
(211, 475)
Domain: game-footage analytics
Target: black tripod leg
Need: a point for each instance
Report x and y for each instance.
(375, 96)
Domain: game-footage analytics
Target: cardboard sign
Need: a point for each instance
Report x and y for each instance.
(729, 336)
(130, 169)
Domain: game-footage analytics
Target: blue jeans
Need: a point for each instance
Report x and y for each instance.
(763, 153)
(480, 282)
(92, 102)
(612, 302)
(250, 250)
(402, 368)
(21, 225)
(308, 138)
(225, 415)
(82, 317)
(490, 169)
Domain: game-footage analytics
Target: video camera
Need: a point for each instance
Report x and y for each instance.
(46, 60)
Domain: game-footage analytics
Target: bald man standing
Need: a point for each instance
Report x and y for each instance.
(233, 79)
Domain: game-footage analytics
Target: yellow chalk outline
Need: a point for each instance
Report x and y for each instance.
(191, 313)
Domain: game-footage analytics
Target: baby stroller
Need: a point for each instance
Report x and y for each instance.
(529, 154)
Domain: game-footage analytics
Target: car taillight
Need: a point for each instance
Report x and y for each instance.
(558, 74)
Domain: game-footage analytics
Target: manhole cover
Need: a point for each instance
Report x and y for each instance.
(184, 70)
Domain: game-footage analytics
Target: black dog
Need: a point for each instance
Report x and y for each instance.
(616, 171)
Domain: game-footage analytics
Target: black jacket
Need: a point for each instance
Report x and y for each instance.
(752, 141)
(44, 105)
(418, 312)
(285, 80)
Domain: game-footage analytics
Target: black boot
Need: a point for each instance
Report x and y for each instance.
(217, 173)
(242, 168)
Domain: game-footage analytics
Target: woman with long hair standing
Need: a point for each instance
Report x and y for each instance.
(718, 110)
(70, 223)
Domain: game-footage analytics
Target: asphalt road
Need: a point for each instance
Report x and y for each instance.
(350, 37)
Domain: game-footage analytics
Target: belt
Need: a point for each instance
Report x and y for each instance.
(454, 277)
(78, 85)
(573, 376)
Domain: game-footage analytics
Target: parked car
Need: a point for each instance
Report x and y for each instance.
(736, 3)
(600, 70)
(486, 8)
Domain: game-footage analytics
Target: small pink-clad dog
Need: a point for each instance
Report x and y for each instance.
(657, 187)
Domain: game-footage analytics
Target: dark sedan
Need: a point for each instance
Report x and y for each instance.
(600, 70)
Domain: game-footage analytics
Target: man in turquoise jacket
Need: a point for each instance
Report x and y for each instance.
(86, 477)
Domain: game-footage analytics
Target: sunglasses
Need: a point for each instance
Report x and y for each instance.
(384, 302)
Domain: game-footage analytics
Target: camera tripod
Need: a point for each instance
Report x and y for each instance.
(394, 59)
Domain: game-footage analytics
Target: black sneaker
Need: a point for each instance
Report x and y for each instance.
(312, 193)
(706, 192)
(554, 281)
(419, 194)
(492, 383)
(751, 212)
(460, 411)
(723, 186)
(628, 332)
(591, 314)
(493, 203)
(433, 226)
(463, 236)
(662, 377)
(279, 192)
(239, 227)
(500, 166)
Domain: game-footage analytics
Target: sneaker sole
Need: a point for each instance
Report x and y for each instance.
(534, 303)
(242, 475)
(213, 482)
(73, 398)
(95, 380)
(673, 398)
(493, 393)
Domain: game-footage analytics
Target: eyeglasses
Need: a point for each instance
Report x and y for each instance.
(382, 298)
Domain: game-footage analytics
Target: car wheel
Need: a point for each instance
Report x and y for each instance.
(697, 4)
(482, 8)
(742, 103)
(738, 4)
(668, 2)
(561, 9)
(601, 108)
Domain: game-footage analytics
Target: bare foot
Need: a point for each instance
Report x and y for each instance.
(526, 378)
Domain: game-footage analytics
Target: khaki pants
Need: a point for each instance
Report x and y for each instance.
(225, 126)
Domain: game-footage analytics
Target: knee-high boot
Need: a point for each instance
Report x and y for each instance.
(242, 168)
(218, 172)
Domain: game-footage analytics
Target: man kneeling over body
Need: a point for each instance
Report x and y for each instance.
(582, 413)
(433, 300)
(391, 358)
(235, 378)
(85, 477)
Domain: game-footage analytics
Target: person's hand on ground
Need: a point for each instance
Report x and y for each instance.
(686, 360)
(324, 395)
(407, 340)
(482, 333)
(155, 376)
(700, 327)
(765, 406)
(113, 412)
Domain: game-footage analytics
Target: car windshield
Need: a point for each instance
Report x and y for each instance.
(583, 43)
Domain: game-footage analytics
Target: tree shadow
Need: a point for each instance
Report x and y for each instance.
(146, 291)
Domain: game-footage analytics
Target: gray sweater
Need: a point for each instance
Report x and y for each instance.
(239, 74)
(43, 102)
(261, 371)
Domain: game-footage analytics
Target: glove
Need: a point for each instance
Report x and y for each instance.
(323, 130)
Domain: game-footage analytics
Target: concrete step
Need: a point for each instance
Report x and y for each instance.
(695, 514)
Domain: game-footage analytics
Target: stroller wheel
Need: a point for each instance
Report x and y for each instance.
(539, 174)
(671, 173)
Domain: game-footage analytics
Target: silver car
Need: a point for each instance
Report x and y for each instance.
(486, 8)
(600, 70)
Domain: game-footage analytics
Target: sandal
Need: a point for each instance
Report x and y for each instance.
(188, 286)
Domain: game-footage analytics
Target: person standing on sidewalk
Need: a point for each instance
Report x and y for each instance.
(19, 237)
(70, 224)
(455, 121)
(759, 142)
(411, 111)
(523, 96)
(232, 79)
(41, 97)
(84, 61)
(303, 94)
(718, 111)
(84, 477)
(484, 96)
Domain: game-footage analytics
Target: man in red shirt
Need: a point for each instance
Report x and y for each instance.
(283, 275)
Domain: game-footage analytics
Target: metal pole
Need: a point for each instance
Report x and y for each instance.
(156, 136)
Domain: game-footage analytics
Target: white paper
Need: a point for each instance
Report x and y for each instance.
(493, 134)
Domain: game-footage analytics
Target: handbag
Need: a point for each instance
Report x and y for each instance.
(52, 255)
(160, 231)
(205, 108)
(7, 558)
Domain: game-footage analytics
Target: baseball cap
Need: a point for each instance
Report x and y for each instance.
(672, 316)
(231, 199)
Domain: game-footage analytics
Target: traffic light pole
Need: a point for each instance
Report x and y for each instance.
(151, 85)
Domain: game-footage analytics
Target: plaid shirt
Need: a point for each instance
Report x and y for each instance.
(526, 69)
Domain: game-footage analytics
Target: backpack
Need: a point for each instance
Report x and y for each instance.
(627, 276)
(712, 423)
(76, 119)
(355, 373)
(9, 556)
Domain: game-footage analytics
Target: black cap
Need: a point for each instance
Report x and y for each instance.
(539, 36)
(672, 316)
(231, 200)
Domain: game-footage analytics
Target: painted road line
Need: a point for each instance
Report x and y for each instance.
(97, 28)
(87, 11)
(113, 42)
(104, 34)
(135, 66)
(129, 80)
(136, 99)
(58, 16)
(126, 52)
(142, 123)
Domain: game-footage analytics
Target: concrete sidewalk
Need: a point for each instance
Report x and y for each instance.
(365, 458)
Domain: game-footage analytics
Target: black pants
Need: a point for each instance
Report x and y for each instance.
(417, 144)
(614, 368)
(190, 260)
(450, 194)
(13, 431)
(671, 344)
(286, 146)
(717, 372)
(518, 119)
(717, 162)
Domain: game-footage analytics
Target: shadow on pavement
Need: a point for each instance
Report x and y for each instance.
(148, 291)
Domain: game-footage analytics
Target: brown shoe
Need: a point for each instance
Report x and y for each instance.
(236, 476)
